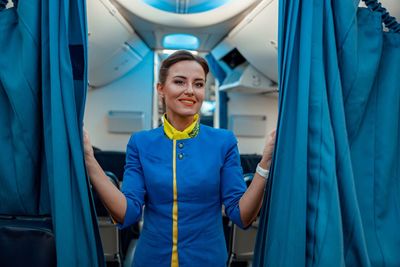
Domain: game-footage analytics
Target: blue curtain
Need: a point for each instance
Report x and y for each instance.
(42, 95)
(372, 105)
(334, 191)
(20, 121)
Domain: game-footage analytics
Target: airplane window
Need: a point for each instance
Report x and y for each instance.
(186, 7)
(181, 41)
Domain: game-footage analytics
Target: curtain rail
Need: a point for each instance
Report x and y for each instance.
(389, 21)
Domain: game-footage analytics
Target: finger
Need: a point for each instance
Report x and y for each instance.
(85, 134)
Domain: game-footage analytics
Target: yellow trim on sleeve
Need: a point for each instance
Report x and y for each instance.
(174, 256)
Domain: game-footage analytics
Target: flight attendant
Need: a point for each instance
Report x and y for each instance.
(180, 175)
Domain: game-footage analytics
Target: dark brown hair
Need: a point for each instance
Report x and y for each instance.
(176, 57)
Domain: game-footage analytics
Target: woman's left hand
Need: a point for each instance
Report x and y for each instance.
(268, 150)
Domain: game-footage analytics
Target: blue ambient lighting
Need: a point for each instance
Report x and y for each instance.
(186, 7)
(180, 41)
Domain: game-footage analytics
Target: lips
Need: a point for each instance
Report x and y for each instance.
(187, 101)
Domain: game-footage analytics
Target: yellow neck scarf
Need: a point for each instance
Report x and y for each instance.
(172, 133)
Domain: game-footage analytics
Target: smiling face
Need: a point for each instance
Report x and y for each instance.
(183, 91)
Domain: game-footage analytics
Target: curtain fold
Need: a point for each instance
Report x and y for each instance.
(64, 57)
(373, 119)
(333, 196)
(43, 82)
(20, 104)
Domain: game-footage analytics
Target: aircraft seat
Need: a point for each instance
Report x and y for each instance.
(113, 161)
(27, 241)
(109, 233)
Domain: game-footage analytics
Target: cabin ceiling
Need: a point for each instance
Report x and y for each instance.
(206, 26)
(209, 36)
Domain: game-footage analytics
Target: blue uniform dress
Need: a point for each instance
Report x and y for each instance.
(182, 182)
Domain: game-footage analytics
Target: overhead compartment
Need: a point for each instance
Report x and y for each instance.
(255, 38)
(246, 79)
(241, 76)
(114, 48)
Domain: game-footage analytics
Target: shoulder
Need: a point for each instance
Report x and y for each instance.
(226, 136)
(146, 136)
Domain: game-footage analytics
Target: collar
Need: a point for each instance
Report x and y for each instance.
(191, 131)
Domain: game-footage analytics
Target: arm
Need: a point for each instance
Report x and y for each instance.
(112, 198)
(251, 201)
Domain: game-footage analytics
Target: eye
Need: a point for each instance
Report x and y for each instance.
(179, 82)
(199, 85)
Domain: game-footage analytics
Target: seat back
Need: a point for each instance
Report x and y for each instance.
(109, 233)
(113, 161)
(27, 241)
(243, 242)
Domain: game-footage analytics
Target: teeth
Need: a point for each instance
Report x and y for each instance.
(187, 101)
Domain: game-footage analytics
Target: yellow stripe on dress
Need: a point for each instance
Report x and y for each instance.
(174, 257)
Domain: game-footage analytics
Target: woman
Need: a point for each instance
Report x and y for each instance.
(182, 172)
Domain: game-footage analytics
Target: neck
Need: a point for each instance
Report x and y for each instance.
(179, 122)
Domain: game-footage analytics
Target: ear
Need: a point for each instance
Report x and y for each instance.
(160, 90)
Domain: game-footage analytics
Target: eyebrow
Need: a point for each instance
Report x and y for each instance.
(183, 77)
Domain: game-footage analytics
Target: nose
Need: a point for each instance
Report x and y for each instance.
(189, 90)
